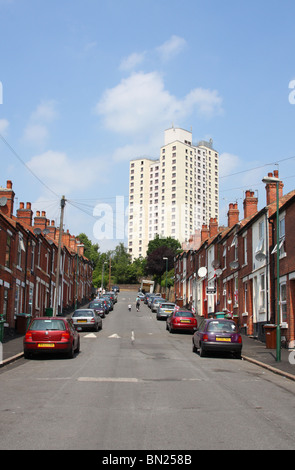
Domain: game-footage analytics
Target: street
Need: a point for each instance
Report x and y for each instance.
(135, 386)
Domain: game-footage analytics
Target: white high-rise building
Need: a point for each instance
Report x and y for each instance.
(173, 195)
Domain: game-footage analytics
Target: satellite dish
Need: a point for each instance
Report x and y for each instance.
(45, 231)
(260, 256)
(215, 263)
(37, 231)
(3, 201)
(234, 264)
(218, 272)
(202, 271)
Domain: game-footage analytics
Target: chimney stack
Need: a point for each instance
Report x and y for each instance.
(40, 221)
(213, 227)
(204, 233)
(233, 215)
(25, 215)
(271, 189)
(250, 204)
(8, 193)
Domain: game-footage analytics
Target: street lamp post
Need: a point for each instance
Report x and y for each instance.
(166, 274)
(102, 275)
(277, 181)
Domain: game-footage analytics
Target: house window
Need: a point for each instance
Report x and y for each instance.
(282, 238)
(5, 303)
(262, 292)
(245, 297)
(8, 251)
(245, 249)
(224, 256)
(283, 301)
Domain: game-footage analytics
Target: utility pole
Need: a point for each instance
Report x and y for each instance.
(62, 205)
(110, 266)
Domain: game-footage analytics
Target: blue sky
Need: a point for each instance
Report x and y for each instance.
(88, 85)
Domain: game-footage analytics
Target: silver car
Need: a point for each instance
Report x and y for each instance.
(155, 303)
(164, 310)
(86, 319)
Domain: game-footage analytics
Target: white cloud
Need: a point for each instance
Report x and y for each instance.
(140, 103)
(228, 164)
(62, 174)
(45, 112)
(171, 48)
(37, 129)
(36, 133)
(130, 62)
(4, 124)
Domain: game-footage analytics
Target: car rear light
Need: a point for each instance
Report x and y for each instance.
(205, 338)
(65, 336)
(240, 339)
(28, 336)
(92, 320)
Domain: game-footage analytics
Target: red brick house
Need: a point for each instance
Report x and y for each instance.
(28, 259)
(239, 265)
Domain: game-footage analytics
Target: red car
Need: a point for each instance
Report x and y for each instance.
(51, 335)
(182, 320)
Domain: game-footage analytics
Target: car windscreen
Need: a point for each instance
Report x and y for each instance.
(50, 324)
(82, 313)
(222, 326)
(96, 305)
(185, 314)
(169, 306)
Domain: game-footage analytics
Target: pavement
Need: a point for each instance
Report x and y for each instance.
(253, 351)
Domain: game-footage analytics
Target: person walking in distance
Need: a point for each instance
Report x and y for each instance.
(137, 304)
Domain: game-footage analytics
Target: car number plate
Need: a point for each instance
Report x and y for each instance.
(81, 321)
(46, 345)
(227, 340)
(184, 321)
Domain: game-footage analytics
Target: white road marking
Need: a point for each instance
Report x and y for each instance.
(109, 379)
(114, 336)
(91, 335)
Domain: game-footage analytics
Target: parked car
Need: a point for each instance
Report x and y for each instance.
(218, 334)
(146, 297)
(182, 320)
(155, 303)
(51, 335)
(164, 310)
(86, 318)
(108, 301)
(100, 307)
(116, 289)
(151, 297)
(112, 296)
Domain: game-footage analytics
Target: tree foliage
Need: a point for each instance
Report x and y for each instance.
(126, 271)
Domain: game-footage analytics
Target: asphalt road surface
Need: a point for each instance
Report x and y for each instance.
(135, 386)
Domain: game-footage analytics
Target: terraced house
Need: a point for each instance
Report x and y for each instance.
(28, 262)
(234, 268)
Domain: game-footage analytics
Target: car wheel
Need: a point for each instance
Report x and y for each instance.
(194, 349)
(71, 353)
(202, 351)
(78, 346)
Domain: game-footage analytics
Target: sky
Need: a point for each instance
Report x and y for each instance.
(86, 86)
